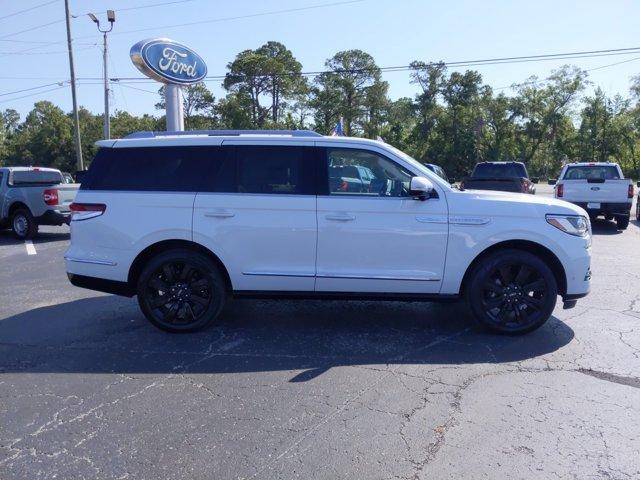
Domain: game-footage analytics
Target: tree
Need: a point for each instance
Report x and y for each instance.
(356, 91)
(269, 71)
(198, 106)
(543, 110)
(45, 138)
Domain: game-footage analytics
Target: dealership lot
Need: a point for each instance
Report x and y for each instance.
(303, 389)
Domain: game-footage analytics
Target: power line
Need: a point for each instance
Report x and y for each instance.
(33, 88)
(139, 7)
(30, 29)
(28, 9)
(32, 94)
(463, 63)
(239, 17)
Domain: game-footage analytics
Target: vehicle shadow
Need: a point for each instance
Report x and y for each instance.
(601, 226)
(107, 334)
(7, 238)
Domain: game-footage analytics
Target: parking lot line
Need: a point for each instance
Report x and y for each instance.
(31, 249)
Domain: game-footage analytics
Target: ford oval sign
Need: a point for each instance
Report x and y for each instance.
(168, 61)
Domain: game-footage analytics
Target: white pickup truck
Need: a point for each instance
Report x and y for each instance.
(598, 187)
(33, 196)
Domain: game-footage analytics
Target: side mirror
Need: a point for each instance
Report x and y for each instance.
(552, 181)
(421, 188)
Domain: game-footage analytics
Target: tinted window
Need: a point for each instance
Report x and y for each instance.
(499, 170)
(35, 177)
(595, 172)
(275, 170)
(385, 177)
(180, 169)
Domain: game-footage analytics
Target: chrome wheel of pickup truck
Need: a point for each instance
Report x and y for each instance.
(181, 291)
(512, 292)
(23, 224)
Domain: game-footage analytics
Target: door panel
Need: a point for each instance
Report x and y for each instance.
(259, 216)
(266, 242)
(381, 240)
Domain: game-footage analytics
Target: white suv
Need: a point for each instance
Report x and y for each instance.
(187, 221)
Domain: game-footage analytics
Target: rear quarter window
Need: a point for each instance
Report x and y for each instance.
(179, 169)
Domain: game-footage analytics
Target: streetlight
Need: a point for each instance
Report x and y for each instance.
(111, 18)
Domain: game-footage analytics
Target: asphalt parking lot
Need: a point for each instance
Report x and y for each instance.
(303, 389)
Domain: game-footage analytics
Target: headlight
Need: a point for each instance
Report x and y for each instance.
(572, 224)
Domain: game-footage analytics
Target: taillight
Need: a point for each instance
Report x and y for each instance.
(461, 185)
(524, 188)
(344, 186)
(559, 190)
(630, 191)
(84, 211)
(50, 196)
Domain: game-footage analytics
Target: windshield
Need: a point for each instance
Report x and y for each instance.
(592, 172)
(499, 170)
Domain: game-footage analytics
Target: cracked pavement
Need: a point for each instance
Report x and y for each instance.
(305, 389)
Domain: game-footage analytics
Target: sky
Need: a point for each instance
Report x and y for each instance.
(393, 32)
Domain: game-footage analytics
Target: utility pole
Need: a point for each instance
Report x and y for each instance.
(76, 118)
(111, 17)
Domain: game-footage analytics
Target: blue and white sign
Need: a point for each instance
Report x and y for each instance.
(167, 61)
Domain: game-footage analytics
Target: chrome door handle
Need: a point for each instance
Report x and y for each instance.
(341, 217)
(219, 214)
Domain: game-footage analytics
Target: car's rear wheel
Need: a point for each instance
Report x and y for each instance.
(512, 292)
(622, 222)
(181, 291)
(23, 224)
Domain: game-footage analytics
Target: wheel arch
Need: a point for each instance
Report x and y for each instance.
(16, 206)
(152, 250)
(525, 245)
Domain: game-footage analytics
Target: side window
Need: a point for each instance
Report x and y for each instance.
(276, 169)
(384, 177)
(175, 169)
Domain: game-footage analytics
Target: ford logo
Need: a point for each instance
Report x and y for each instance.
(168, 61)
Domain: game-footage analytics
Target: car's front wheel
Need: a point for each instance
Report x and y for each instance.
(512, 291)
(181, 291)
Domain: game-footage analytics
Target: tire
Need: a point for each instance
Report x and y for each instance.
(638, 209)
(512, 292)
(23, 224)
(181, 291)
(622, 222)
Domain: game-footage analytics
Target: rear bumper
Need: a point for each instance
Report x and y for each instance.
(607, 208)
(101, 285)
(54, 217)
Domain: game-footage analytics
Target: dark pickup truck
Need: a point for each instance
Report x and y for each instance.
(502, 176)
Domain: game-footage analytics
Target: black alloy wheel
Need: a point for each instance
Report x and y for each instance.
(512, 292)
(181, 291)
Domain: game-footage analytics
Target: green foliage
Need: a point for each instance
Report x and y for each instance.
(454, 120)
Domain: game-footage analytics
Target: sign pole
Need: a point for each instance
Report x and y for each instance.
(76, 119)
(174, 108)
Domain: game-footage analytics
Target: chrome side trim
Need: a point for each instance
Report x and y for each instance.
(469, 220)
(432, 219)
(380, 277)
(280, 274)
(93, 262)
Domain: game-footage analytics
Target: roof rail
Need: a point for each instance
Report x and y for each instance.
(230, 133)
